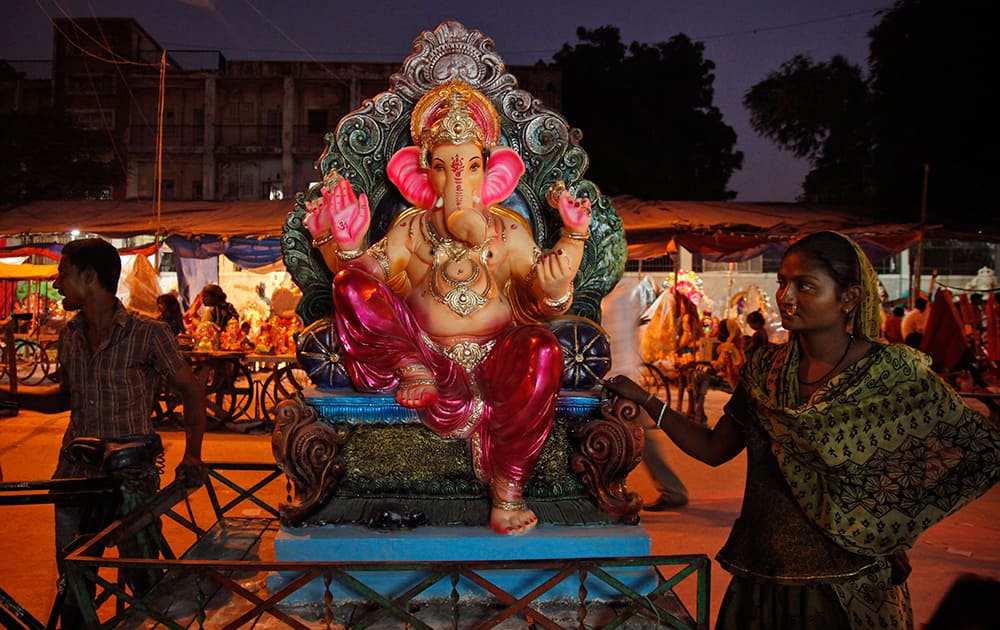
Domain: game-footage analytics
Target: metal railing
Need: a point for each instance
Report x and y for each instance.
(205, 575)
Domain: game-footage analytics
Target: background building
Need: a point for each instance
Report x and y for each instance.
(232, 130)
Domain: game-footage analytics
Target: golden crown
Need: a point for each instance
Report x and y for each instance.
(453, 113)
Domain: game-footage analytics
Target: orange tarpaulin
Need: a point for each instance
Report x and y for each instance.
(27, 271)
(725, 231)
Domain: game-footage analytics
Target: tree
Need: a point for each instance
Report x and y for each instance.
(47, 157)
(820, 112)
(927, 101)
(935, 104)
(649, 126)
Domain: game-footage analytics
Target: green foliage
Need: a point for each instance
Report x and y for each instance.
(649, 126)
(821, 112)
(932, 69)
(928, 100)
(46, 157)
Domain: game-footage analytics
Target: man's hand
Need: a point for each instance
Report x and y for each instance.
(191, 472)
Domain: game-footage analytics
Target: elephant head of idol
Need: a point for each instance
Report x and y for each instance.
(456, 170)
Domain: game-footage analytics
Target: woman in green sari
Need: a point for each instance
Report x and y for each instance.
(854, 448)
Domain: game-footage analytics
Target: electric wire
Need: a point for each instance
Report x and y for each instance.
(69, 40)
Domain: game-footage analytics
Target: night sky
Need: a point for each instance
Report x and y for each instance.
(746, 39)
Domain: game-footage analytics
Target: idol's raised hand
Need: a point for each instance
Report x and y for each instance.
(341, 212)
(575, 212)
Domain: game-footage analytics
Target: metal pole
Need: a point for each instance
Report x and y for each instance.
(918, 263)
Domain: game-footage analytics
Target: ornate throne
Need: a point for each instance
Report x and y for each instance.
(349, 454)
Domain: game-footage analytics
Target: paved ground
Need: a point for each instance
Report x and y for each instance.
(969, 541)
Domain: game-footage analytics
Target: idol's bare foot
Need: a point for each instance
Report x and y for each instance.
(512, 522)
(510, 515)
(417, 387)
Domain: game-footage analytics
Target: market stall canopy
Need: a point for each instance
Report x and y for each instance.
(246, 232)
(120, 219)
(718, 230)
(734, 231)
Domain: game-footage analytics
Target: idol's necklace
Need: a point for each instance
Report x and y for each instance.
(850, 339)
(461, 299)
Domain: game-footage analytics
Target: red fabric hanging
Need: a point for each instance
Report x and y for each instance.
(992, 340)
(944, 336)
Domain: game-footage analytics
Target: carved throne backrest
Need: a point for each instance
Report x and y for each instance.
(366, 138)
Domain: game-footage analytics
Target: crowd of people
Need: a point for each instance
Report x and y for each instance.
(213, 323)
(732, 342)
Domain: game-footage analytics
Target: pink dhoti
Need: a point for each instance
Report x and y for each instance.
(500, 393)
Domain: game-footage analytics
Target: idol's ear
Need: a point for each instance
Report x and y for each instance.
(405, 172)
(503, 170)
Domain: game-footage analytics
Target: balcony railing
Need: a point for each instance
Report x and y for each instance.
(144, 136)
(256, 138)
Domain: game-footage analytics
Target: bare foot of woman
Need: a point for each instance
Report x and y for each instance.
(417, 387)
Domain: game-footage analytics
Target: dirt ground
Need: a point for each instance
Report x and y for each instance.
(967, 542)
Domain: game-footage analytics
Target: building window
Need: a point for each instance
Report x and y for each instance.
(101, 194)
(169, 123)
(196, 191)
(771, 261)
(700, 265)
(167, 188)
(93, 119)
(651, 265)
(90, 84)
(273, 132)
(955, 258)
(272, 190)
(887, 265)
(247, 113)
(167, 262)
(199, 127)
(317, 121)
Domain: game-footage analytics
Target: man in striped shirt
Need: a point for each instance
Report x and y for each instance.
(111, 363)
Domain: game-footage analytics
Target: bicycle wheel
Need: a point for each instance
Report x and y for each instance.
(26, 354)
(50, 350)
(43, 364)
(228, 390)
(242, 390)
(166, 405)
(282, 384)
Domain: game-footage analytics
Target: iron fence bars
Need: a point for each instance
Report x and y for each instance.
(96, 495)
(203, 571)
(243, 494)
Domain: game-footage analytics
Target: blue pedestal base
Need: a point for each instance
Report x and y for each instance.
(348, 543)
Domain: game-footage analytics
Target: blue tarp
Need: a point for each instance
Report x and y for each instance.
(250, 253)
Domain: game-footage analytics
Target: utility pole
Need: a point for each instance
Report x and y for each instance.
(918, 263)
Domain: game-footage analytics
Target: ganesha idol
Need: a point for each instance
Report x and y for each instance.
(452, 264)
(436, 309)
